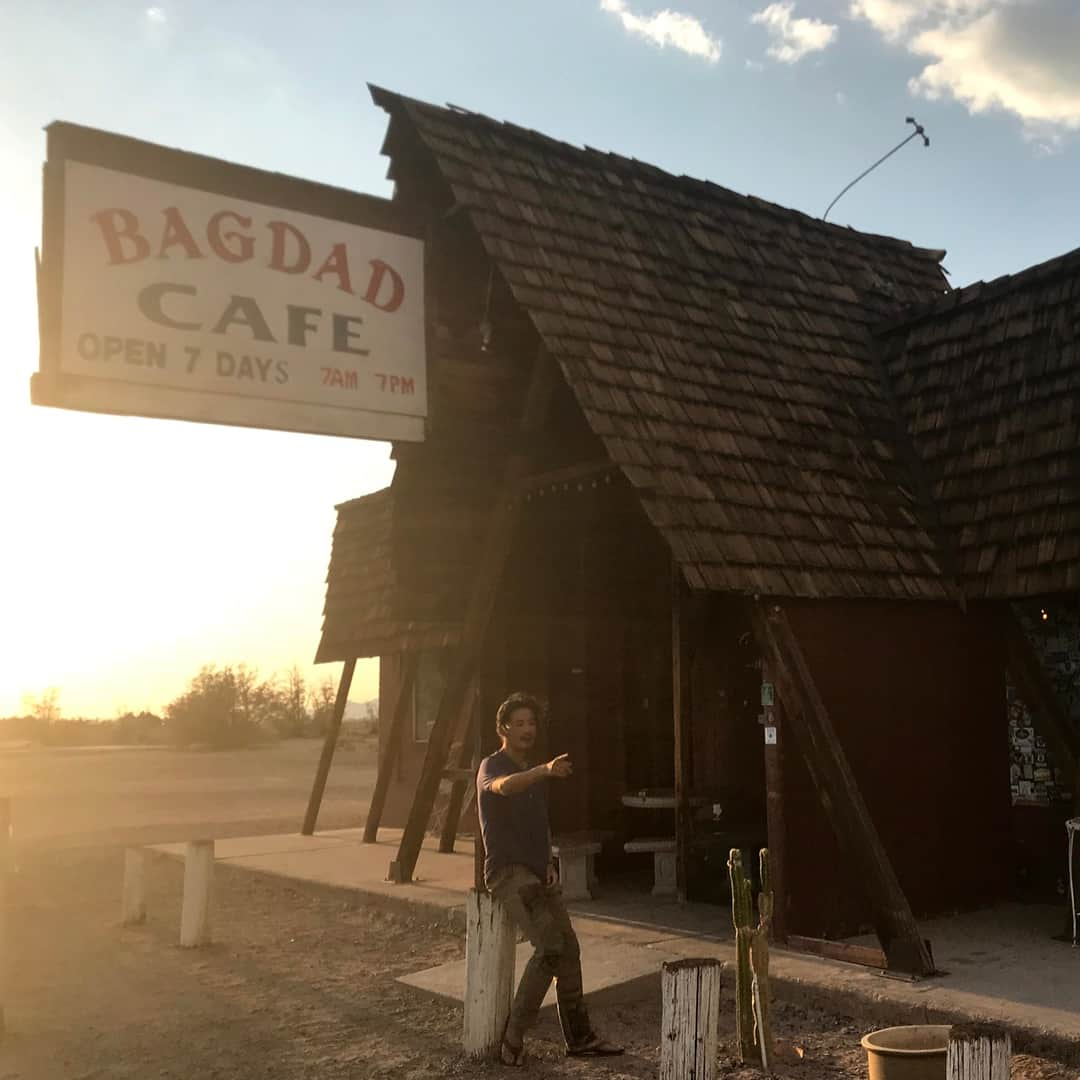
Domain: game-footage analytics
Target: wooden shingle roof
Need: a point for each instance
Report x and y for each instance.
(988, 380)
(367, 612)
(720, 347)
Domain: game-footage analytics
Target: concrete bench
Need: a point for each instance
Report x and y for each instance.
(663, 853)
(577, 867)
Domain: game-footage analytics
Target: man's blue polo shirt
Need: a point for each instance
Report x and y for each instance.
(514, 827)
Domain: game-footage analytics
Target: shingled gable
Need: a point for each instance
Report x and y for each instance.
(367, 612)
(720, 347)
(988, 380)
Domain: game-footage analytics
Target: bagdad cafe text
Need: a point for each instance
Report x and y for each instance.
(173, 285)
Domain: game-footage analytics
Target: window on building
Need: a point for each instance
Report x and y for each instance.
(428, 691)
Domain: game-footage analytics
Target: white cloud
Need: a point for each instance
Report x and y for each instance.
(667, 27)
(156, 15)
(1019, 56)
(793, 38)
(892, 17)
(841, 98)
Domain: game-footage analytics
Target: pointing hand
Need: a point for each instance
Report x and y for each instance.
(560, 767)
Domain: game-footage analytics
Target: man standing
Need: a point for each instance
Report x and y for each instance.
(511, 799)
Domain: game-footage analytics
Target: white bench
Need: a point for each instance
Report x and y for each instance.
(663, 853)
(577, 868)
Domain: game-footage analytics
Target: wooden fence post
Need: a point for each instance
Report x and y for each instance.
(133, 901)
(691, 1013)
(978, 1052)
(198, 879)
(7, 861)
(489, 973)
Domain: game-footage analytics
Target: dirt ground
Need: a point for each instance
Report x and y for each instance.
(299, 984)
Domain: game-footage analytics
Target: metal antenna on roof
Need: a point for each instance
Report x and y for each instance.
(918, 131)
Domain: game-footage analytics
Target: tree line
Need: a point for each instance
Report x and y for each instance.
(222, 707)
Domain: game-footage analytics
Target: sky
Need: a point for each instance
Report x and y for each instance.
(133, 551)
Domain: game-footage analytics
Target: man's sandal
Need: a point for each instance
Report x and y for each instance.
(511, 1055)
(594, 1046)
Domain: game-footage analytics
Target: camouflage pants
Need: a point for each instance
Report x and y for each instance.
(537, 910)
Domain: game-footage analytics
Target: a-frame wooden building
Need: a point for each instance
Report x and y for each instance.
(688, 449)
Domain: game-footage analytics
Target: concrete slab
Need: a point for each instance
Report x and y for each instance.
(602, 968)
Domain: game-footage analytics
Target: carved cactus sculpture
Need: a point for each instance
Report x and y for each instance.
(752, 961)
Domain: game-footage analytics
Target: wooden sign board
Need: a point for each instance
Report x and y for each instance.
(178, 286)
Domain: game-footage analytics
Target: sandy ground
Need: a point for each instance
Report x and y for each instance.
(73, 797)
(301, 983)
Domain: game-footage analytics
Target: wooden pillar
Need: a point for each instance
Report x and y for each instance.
(838, 791)
(392, 747)
(978, 1052)
(690, 992)
(490, 941)
(459, 788)
(198, 886)
(133, 901)
(323, 771)
(493, 556)
(772, 715)
(680, 702)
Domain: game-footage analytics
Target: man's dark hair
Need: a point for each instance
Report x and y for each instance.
(517, 700)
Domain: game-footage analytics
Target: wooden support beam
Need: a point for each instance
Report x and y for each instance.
(1038, 694)
(388, 759)
(460, 774)
(323, 770)
(830, 772)
(494, 554)
(773, 734)
(680, 701)
(863, 955)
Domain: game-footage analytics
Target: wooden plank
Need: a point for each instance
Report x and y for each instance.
(864, 955)
(680, 707)
(402, 708)
(493, 557)
(774, 808)
(323, 770)
(838, 790)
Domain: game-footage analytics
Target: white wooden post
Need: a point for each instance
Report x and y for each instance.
(198, 879)
(978, 1052)
(133, 901)
(690, 992)
(6, 865)
(489, 973)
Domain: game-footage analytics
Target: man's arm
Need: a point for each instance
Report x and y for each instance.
(515, 783)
